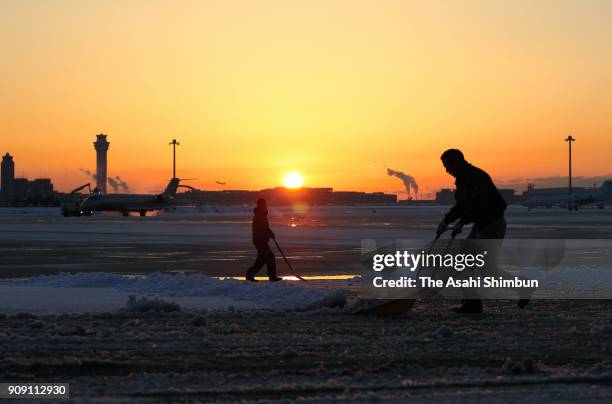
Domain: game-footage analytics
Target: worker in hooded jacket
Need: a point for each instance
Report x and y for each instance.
(261, 236)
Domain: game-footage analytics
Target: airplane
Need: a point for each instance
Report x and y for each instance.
(559, 197)
(124, 203)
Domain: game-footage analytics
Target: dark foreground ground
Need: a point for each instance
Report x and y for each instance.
(553, 351)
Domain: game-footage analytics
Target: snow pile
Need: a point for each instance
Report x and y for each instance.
(143, 304)
(262, 295)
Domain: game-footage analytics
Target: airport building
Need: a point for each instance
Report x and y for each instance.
(577, 192)
(33, 192)
(285, 196)
(21, 191)
(446, 196)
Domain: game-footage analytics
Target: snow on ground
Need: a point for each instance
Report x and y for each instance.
(105, 291)
(553, 351)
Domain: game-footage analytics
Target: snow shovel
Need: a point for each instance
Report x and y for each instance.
(292, 272)
(448, 245)
(400, 306)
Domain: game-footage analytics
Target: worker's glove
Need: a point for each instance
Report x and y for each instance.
(442, 227)
(456, 229)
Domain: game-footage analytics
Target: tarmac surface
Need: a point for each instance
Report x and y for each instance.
(322, 240)
(555, 350)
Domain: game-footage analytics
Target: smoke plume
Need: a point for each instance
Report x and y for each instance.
(116, 183)
(89, 174)
(408, 180)
(113, 184)
(122, 184)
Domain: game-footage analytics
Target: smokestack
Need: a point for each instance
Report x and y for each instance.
(101, 146)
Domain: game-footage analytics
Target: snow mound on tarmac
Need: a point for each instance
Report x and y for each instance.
(262, 295)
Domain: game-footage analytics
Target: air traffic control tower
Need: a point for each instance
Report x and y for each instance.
(7, 183)
(101, 146)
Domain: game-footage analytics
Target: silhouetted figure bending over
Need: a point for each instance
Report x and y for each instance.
(261, 235)
(477, 201)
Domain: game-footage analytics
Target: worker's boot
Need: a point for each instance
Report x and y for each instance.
(250, 276)
(469, 306)
(272, 271)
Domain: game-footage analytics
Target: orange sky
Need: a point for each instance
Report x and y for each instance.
(333, 89)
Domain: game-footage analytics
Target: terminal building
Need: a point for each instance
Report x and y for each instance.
(21, 191)
(446, 196)
(285, 196)
(577, 192)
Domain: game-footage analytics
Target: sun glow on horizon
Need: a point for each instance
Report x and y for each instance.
(254, 90)
(293, 180)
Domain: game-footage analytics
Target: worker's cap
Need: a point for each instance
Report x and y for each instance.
(261, 202)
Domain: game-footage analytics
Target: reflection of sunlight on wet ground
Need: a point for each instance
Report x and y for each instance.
(300, 208)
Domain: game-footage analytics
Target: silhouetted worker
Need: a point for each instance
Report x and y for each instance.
(477, 201)
(261, 235)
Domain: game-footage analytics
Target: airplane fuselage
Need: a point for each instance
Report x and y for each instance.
(126, 202)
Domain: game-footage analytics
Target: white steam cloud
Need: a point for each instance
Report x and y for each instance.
(408, 180)
(116, 183)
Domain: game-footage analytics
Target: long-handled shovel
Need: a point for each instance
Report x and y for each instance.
(401, 306)
(292, 272)
(396, 306)
(448, 245)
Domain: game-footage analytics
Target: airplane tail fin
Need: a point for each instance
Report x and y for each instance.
(172, 187)
(605, 192)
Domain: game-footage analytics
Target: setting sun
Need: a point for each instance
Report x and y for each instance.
(293, 180)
